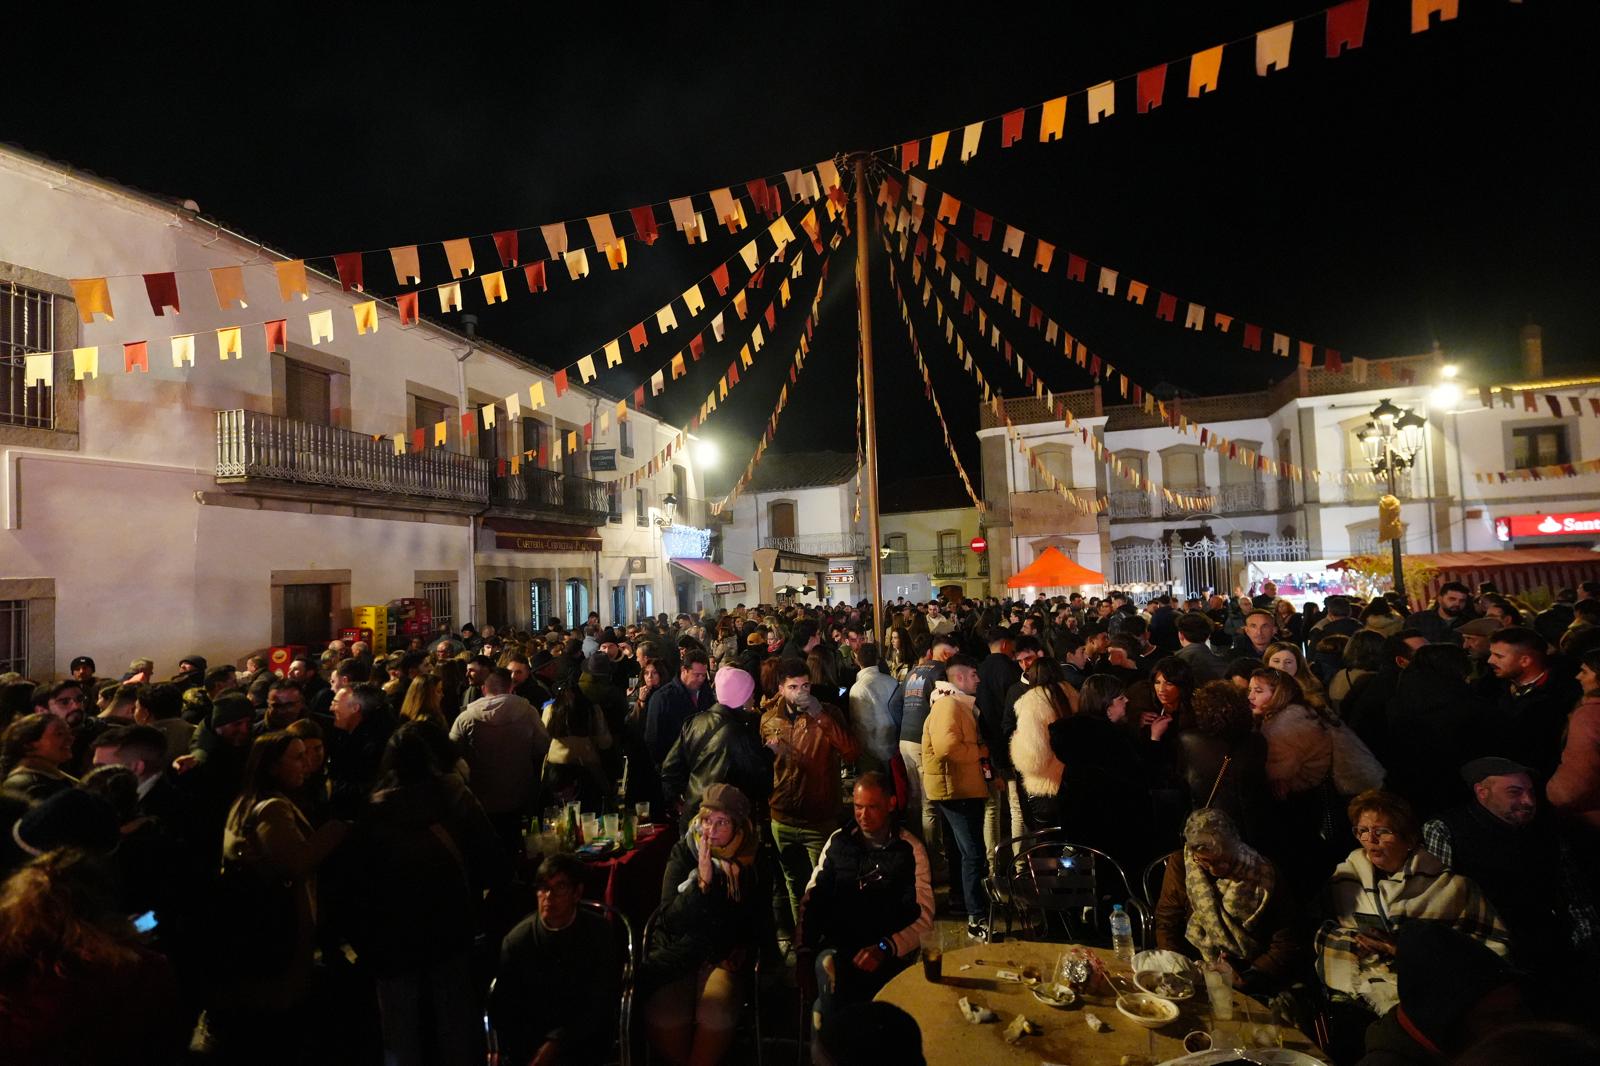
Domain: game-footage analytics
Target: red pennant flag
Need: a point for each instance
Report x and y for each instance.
(697, 346)
(808, 326)
(559, 380)
(163, 292)
(1011, 128)
(922, 246)
(1205, 435)
(505, 242)
(588, 432)
(1335, 361)
(1094, 366)
(758, 279)
(910, 154)
(1152, 85)
(136, 354)
(644, 224)
(637, 338)
(500, 467)
(1035, 314)
(406, 304)
(350, 267)
(1077, 267)
(638, 398)
(967, 303)
(982, 226)
(1167, 307)
(277, 334)
(719, 278)
(772, 318)
(733, 373)
(963, 251)
(764, 196)
(537, 282)
(419, 440)
(1138, 394)
(793, 377)
(1233, 450)
(544, 453)
(1347, 26)
(1027, 377)
(1554, 403)
(1252, 336)
(469, 422)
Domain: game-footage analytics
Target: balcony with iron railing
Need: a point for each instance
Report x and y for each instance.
(1337, 490)
(258, 449)
(1128, 504)
(822, 545)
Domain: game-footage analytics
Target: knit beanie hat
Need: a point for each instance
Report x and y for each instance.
(733, 686)
(71, 818)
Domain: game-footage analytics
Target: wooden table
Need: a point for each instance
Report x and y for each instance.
(948, 1038)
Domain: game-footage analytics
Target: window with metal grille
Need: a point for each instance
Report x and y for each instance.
(27, 325)
(614, 504)
(641, 508)
(441, 597)
(625, 438)
(14, 637)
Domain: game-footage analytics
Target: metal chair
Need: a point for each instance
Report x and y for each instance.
(1006, 877)
(624, 1043)
(1074, 882)
(752, 1005)
(1154, 874)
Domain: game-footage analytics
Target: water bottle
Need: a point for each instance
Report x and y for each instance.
(1122, 936)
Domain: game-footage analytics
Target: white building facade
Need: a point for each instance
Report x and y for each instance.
(1312, 419)
(234, 505)
(795, 526)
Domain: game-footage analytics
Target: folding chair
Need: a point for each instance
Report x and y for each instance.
(1080, 884)
(624, 1045)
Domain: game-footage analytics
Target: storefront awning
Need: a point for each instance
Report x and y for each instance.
(721, 580)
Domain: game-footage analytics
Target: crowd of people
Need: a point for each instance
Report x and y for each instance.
(1390, 816)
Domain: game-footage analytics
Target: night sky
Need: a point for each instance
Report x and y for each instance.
(1438, 187)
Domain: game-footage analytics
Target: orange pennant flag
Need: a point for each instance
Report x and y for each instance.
(407, 270)
(459, 253)
(1204, 69)
(494, 287)
(1053, 119)
(292, 279)
(92, 297)
(229, 285)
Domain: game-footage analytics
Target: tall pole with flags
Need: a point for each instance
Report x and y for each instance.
(864, 303)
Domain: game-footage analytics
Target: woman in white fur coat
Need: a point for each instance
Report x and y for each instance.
(1049, 698)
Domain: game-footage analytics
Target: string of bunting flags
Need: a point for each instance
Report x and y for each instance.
(670, 370)
(1344, 30)
(1100, 369)
(1551, 472)
(944, 428)
(726, 206)
(1109, 281)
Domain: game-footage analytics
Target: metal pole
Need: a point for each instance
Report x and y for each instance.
(864, 303)
(1399, 572)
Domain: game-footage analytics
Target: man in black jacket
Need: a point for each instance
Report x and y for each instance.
(720, 746)
(1438, 623)
(869, 902)
(1532, 703)
(676, 702)
(996, 675)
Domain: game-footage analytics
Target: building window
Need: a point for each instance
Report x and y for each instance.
(625, 437)
(14, 637)
(577, 596)
(27, 324)
(1539, 446)
(307, 615)
(643, 603)
(780, 519)
(641, 508)
(614, 504)
(1057, 461)
(538, 602)
(441, 597)
(307, 393)
(950, 559)
(898, 561)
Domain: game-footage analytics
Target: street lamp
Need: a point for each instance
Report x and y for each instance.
(1391, 443)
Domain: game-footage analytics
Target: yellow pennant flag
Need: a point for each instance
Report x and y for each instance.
(586, 368)
(39, 369)
(744, 357)
(85, 363)
(513, 407)
(536, 395)
(783, 293)
(292, 279)
(605, 421)
(486, 412)
(757, 338)
(92, 297)
(494, 287)
(440, 433)
(183, 350)
(577, 264)
(622, 410)
(366, 317)
(741, 303)
(751, 257)
(450, 296)
(617, 254)
(399, 443)
(666, 319)
(722, 388)
(229, 285)
(693, 300)
(572, 441)
(459, 253)
(936, 149)
(321, 323)
(1053, 119)
(781, 232)
(678, 369)
(229, 343)
(613, 353)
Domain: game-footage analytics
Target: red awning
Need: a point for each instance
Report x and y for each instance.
(721, 580)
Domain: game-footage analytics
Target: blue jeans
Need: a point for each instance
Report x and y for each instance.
(965, 819)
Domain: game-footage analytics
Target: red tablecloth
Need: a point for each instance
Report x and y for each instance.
(631, 882)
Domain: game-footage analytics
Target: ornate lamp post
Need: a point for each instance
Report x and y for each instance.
(1391, 443)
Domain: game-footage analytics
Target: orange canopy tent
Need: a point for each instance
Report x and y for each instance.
(1054, 570)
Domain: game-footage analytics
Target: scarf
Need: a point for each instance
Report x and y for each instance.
(1224, 912)
(941, 689)
(729, 859)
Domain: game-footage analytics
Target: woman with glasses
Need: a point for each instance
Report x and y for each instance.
(1387, 881)
(709, 923)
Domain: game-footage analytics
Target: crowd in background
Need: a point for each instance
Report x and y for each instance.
(1396, 813)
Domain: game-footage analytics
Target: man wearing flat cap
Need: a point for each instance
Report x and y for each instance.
(1522, 862)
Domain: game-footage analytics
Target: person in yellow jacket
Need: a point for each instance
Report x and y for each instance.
(957, 777)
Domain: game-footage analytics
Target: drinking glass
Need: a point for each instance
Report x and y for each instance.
(642, 809)
(931, 948)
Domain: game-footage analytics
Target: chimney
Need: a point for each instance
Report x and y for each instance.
(1532, 352)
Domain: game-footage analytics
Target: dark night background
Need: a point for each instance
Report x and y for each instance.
(1438, 187)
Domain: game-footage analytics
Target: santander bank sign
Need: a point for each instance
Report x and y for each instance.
(1586, 523)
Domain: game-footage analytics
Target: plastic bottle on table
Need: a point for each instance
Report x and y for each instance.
(1122, 936)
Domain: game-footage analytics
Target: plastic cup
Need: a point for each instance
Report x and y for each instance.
(931, 949)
